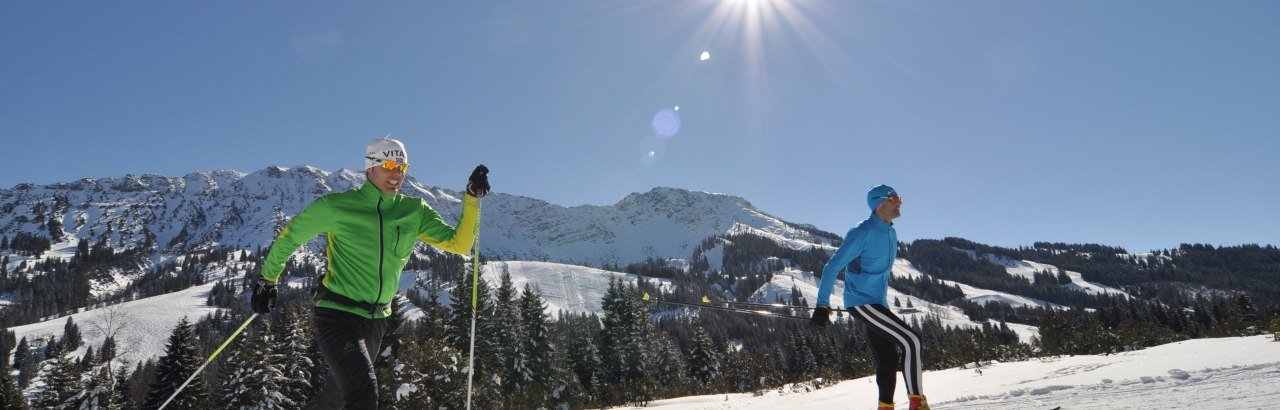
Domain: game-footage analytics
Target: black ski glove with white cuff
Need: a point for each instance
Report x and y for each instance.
(478, 184)
(264, 296)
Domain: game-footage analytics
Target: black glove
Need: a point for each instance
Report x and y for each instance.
(264, 296)
(478, 184)
(821, 316)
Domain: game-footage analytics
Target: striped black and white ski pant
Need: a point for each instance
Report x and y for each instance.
(886, 332)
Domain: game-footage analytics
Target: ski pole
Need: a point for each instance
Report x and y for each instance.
(764, 305)
(705, 299)
(730, 306)
(475, 283)
(209, 360)
(723, 308)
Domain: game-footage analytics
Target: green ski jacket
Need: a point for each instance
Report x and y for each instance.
(369, 237)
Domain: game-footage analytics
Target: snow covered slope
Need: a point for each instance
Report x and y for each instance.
(911, 307)
(573, 289)
(904, 268)
(142, 327)
(1028, 269)
(1227, 373)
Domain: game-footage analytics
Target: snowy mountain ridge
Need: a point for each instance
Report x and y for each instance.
(203, 210)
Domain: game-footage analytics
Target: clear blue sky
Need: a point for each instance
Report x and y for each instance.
(1142, 124)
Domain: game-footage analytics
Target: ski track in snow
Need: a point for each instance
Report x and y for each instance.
(1236, 373)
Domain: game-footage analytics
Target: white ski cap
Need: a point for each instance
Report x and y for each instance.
(385, 149)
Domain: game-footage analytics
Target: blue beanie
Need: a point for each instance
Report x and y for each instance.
(878, 194)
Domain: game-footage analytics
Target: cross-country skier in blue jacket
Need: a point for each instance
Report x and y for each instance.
(867, 255)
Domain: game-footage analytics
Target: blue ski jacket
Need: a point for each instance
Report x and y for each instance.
(868, 252)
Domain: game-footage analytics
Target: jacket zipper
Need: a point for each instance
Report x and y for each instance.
(380, 251)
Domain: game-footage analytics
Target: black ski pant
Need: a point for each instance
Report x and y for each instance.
(886, 333)
(349, 344)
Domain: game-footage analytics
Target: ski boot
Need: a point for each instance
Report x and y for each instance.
(884, 406)
(918, 402)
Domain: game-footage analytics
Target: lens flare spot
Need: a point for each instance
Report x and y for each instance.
(666, 123)
(652, 150)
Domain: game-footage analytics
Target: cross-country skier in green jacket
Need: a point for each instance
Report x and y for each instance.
(369, 234)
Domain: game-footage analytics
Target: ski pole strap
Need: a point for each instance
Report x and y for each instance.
(323, 293)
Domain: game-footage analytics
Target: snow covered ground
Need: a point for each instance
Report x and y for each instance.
(1234, 373)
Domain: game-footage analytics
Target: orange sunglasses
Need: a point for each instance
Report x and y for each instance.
(392, 166)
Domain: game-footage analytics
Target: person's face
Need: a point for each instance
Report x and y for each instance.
(386, 180)
(890, 209)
